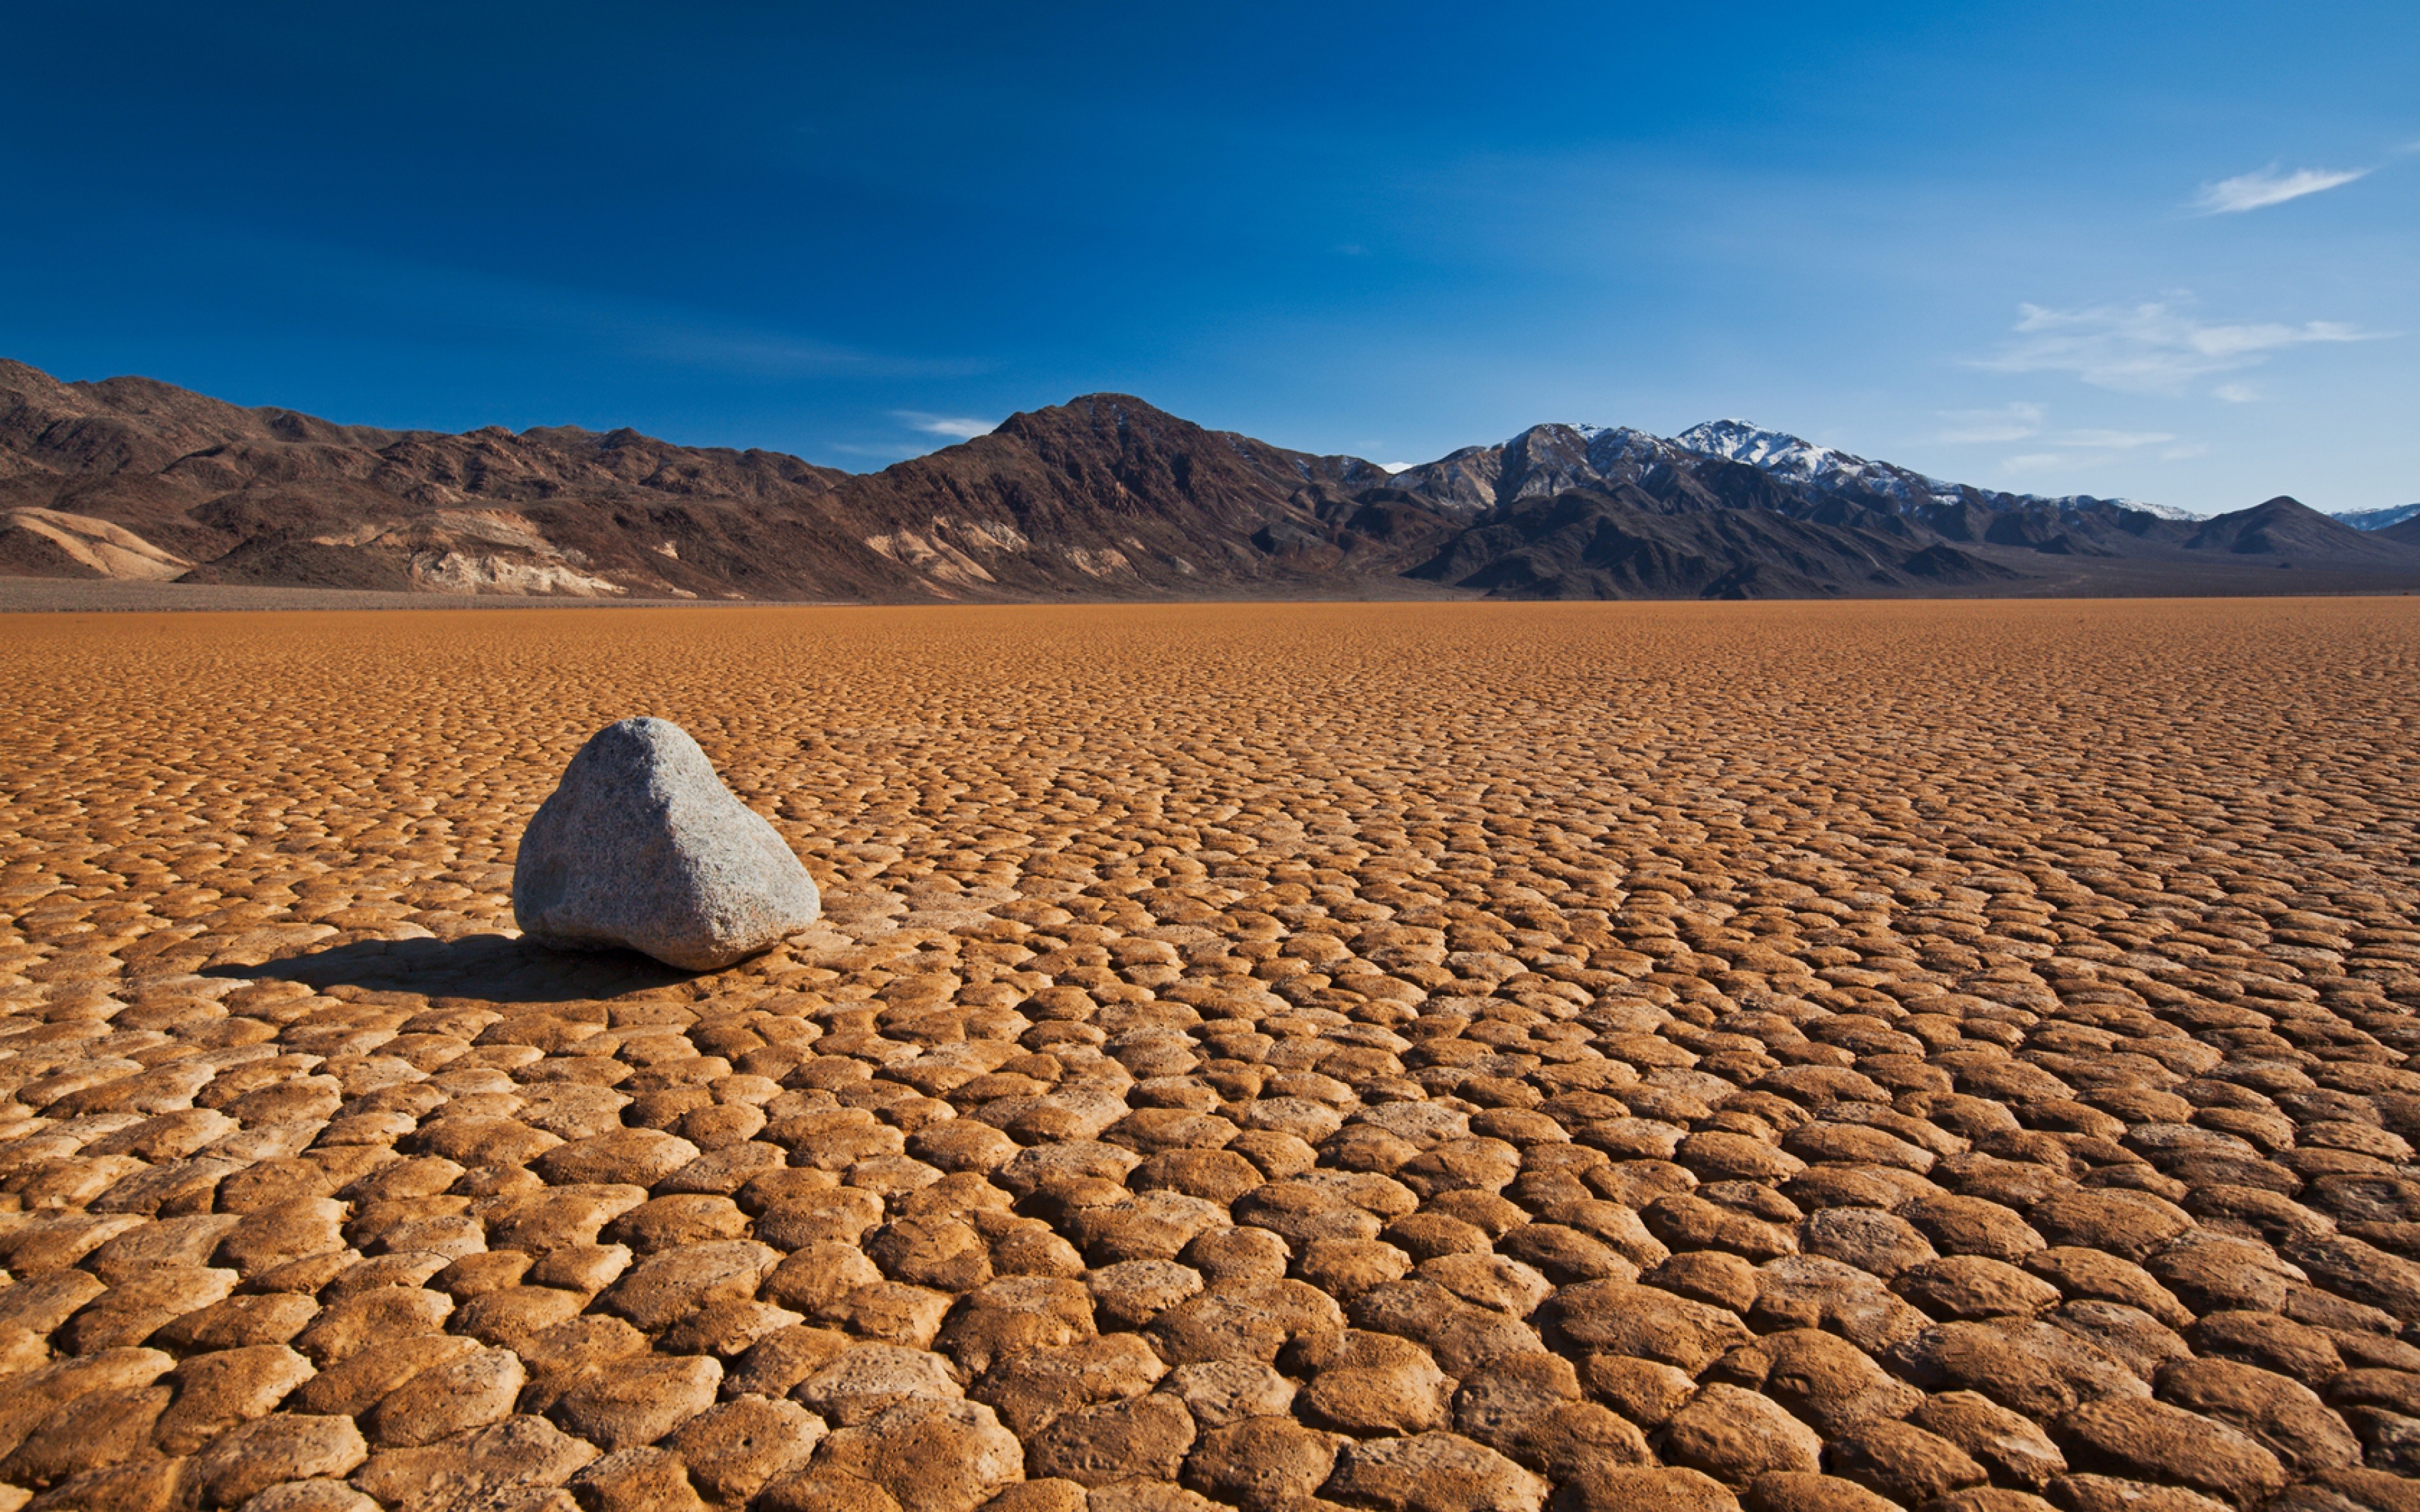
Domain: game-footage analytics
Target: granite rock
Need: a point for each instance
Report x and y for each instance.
(642, 846)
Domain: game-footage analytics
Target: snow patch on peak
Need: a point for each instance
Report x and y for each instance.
(1554, 457)
(1831, 470)
(2165, 511)
(1559, 429)
(2378, 519)
(1775, 451)
(1589, 435)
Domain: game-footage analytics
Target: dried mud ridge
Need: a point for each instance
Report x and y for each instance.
(1439, 1058)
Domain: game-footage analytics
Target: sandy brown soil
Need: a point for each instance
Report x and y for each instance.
(1426, 1057)
(72, 596)
(69, 595)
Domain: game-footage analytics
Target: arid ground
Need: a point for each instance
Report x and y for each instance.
(1430, 1056)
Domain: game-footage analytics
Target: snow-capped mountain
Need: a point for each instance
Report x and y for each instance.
(1838, 473)
(1550, 459)
(1729, 509)
(2162, 510)
(1772, 450)
(2378, 519)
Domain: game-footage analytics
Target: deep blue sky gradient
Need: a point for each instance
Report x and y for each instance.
(1388, 229)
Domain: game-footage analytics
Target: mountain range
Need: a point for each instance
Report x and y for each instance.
(1103, 497)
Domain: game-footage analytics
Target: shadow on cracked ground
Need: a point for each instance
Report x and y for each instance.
(494, 968)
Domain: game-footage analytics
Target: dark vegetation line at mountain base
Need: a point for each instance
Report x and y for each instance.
(1103, 497)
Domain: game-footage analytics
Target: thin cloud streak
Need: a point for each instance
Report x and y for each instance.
(2149, 349)
(2022, 421)
(2115, 440)
(2011, 422)
(2258, 191)
(2094, 448)
(956, 427)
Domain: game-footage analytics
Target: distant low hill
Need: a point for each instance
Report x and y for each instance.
(1104, 497)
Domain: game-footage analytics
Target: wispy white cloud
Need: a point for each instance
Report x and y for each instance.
(2257, 191)
(956, 427)
(2114, 441)
(2022, 421)
(2093, 448)
(2010, 423)
(2237, 392)
(2148, 349)
(2032, 462)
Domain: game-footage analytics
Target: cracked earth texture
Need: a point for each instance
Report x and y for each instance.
(1806, 1057)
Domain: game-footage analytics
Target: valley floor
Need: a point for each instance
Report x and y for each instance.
(2031, 575)
(1819, 1057)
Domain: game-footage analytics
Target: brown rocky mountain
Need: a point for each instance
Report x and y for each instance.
(1104, 497)
(1107, 497)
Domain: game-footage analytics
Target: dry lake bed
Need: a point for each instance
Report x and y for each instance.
(1819, 1057)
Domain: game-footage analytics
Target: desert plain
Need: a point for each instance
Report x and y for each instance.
(1423, 1058)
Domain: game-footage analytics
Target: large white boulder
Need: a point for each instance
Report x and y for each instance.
(643, 846)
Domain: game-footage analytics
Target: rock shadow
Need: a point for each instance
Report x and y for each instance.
(497, 968)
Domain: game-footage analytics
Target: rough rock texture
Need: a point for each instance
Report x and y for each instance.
(1826, 1061)
(643, 846)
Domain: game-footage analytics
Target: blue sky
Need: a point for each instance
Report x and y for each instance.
(2059, 247)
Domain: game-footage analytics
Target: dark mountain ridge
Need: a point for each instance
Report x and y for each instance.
(1104, 497)
(2286, 526)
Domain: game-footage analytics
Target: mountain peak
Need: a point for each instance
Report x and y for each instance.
(1098, 414)
(2286, 525)
(1775, 451)
(1721, 437)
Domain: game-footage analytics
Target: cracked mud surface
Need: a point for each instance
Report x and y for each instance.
(1813, 1058)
